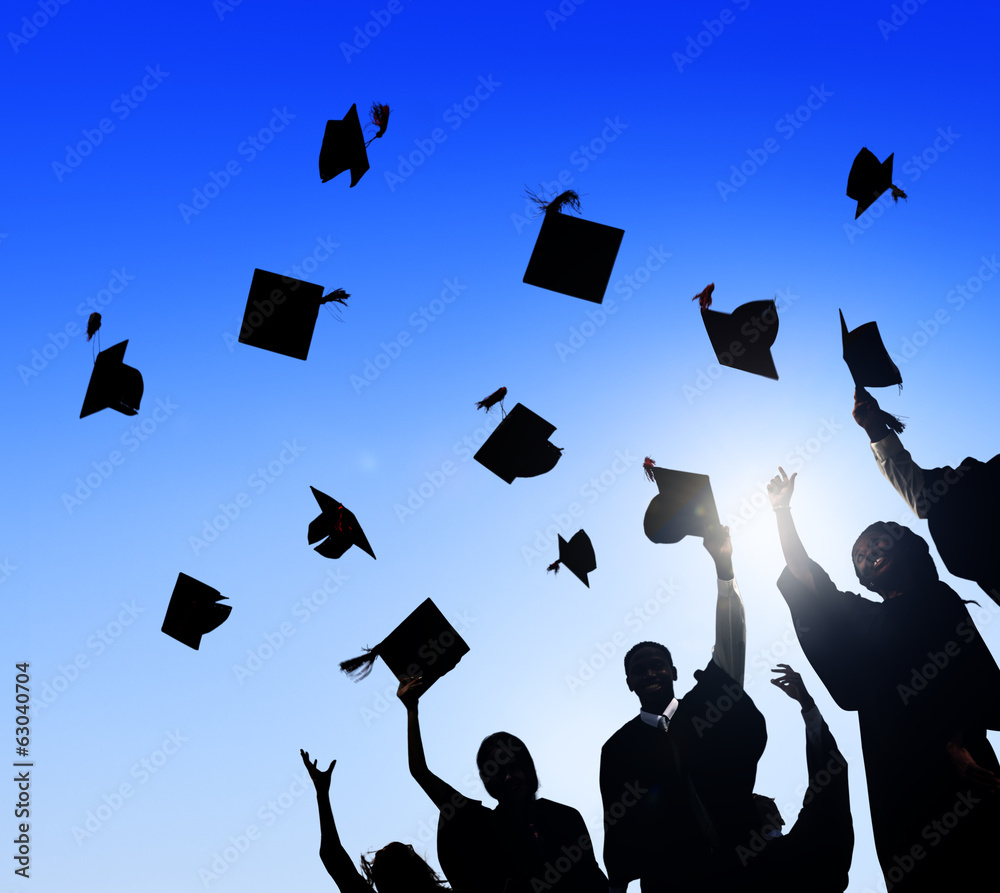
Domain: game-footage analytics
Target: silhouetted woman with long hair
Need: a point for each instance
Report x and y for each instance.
(525, 843)
(396, 868)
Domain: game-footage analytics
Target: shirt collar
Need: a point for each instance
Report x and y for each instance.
(653, 719)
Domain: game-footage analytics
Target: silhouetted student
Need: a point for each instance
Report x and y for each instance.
(396, 868)
(677, 780)
(525, 844)
(959, 504)
(926, 688)
(815, 855)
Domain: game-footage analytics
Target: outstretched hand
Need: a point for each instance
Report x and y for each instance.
(320, 778)
(792, 685)
(779, 491)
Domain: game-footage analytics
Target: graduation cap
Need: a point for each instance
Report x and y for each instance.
(871, 367)
(281, 313)
(343, 147)
(193, 611)
(338, 527)
(572, 256)
(578, 555)
(519, 446)
(866, 356)
(742, 339)
(113, 385)
(425, 644)
(684, 506)
(868, 179)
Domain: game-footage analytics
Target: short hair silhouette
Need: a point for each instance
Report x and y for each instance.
(661, 648)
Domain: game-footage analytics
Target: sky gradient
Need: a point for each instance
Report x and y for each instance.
(158, 153)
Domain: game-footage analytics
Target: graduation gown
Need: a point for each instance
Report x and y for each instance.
(959, 505)
(917, 672)
(815, 855)
(962, 519)
(676, 803)
(492, 851)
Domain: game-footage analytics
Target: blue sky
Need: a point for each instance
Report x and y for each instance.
(718, 136)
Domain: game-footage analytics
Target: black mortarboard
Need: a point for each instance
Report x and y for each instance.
(578, 555)
(338, 527)
(866, 356)
(193, 611)
(425, 644)
(684, 506)
(113, 385)
(343, 147)
(281, 314)
(868, 179)
(519, 446)
(742, 339)
(573, 256)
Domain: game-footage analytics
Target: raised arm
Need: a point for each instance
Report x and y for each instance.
(440, 792)
(730, 619)
(331, 851)
(780, 493)
(894, 461)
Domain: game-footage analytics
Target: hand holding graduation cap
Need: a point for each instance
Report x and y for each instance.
(718, 544)
(410, 689)
(320, 778)
(869, 416)
(779, 491)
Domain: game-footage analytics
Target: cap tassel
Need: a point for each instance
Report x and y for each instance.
(890, 421)
(568, 198)
(338, 295)
(554, 567)
(496, 397)
(379, 115)
(877, 414)
(704, 297)
(359, 667)
(897, 193)
(647, 469)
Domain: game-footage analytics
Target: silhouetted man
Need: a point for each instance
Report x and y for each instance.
(677, 780)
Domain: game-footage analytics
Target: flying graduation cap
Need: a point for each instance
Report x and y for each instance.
(337, 527)
(344, 145)
(425, 644)
(281, 312)
(684, 506)
(572, 256)
(742, 339)
(343, 148)
(193, 611)
(578, 555)
(871, 366)
(868, 179)
(113, 385)
(519, 446)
